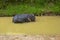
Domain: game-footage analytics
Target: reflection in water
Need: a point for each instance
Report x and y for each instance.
(43, 25)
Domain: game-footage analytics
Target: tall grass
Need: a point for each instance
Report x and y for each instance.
(38, 7)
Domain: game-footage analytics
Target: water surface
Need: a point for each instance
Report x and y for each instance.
(43, 25)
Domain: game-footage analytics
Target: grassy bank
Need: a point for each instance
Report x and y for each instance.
(36, 9)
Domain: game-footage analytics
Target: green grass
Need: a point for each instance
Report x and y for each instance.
(26, 8)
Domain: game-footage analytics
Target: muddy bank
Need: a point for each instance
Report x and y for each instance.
(29, 37)
(49, 13)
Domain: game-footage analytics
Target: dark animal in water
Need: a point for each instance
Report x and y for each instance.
(21, 18)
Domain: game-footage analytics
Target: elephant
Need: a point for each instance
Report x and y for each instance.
(21, 18)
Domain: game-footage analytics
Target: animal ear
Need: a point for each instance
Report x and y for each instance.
(29, 19)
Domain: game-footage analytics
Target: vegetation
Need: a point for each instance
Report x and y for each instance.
(37, 7)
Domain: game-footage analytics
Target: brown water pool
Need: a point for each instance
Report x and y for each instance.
(43, 25)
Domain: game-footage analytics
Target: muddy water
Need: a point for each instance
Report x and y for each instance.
(43, 25)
